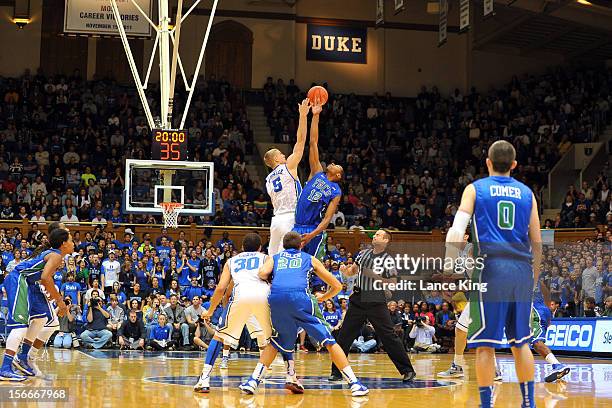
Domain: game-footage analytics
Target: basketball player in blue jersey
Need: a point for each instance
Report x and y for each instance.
(540, 319)
(29, 306)
(320, 196)
(507, 237)
(291, 306)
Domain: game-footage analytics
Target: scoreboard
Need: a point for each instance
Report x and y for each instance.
(169, 145)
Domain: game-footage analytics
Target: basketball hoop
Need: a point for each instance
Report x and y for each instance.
(170, 212)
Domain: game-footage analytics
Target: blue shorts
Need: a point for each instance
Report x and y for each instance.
(316, 246)
(25, 302)
(540, 319)
(505, 305)
(291, 311)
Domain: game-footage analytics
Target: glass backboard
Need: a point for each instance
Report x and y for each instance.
(148, 183)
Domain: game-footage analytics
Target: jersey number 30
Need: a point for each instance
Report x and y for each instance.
(505, 215)
(248, 264)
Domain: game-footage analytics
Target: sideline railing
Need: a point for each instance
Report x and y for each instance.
(351, 239)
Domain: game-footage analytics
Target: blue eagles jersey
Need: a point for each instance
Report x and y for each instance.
(314, 199)
(538, 298)
(291, 271)
(501, 217)
(32, 268)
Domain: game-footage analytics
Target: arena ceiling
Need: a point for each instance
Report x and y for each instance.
(566, 27)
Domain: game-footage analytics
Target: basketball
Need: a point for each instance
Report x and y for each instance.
(317, 92)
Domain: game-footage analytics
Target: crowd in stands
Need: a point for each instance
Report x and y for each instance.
(407, 161)
(148, 292)
(64, 141)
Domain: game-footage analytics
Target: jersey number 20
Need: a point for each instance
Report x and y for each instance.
(505, 215)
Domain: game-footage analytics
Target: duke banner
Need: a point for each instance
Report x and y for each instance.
(96, 17)
(464, 15)
(336, 44)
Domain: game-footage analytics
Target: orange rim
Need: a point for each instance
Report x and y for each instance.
(171, 206)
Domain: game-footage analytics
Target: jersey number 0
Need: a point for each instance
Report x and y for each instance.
(505, 215)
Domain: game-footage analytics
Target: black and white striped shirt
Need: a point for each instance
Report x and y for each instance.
(378, 263)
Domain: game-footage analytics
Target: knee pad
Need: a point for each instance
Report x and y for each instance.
(15, 338)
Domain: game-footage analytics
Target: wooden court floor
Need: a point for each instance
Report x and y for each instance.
(136, 379)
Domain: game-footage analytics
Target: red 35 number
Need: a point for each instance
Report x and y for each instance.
(170, 151)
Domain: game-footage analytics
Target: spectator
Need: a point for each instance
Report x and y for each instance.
(193, 290)
(95, 287)
(608, 310)
(193, 313)
(160, 337)
(71, 289)
(96, 335)
(396, 319)
(131, 334)
(69, 217)
(117, 315)
(366, 341)
(151, 315)
(332, 316)
(424, 335)
(66, 337)
(445, 322)
(110, 272)
(590, 309)
(176, 317)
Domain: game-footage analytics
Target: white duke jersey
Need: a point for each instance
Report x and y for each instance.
(283, 189)
(243, 268)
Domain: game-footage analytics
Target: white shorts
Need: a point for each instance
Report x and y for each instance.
(256, 332)
(464, 320)
(255, 313)
(280, 225)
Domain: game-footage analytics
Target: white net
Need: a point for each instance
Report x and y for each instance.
(170, 212)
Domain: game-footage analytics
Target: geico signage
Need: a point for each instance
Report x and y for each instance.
(570, 336)
(336, 44)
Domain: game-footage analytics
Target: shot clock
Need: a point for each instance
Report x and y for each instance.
(169, 145)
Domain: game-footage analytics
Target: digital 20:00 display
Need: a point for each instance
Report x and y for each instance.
(169, 145)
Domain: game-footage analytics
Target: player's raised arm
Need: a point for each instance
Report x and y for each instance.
(535, 236)
(224, 282)
(329, 213)
(454, 236)
(295, 158)
(545, 293)
(313, 155)
(334, 286)
(266, 269)
(52, 263)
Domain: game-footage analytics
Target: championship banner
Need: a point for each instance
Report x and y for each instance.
(488, 7)
(399, 6)
(336, 44)
(380, 12)
(442, 34)
(96, 17)
(464, 15)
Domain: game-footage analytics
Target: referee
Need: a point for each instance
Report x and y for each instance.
(368, 304)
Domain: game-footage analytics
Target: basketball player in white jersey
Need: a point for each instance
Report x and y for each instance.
(283, 184)
(249, 298)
